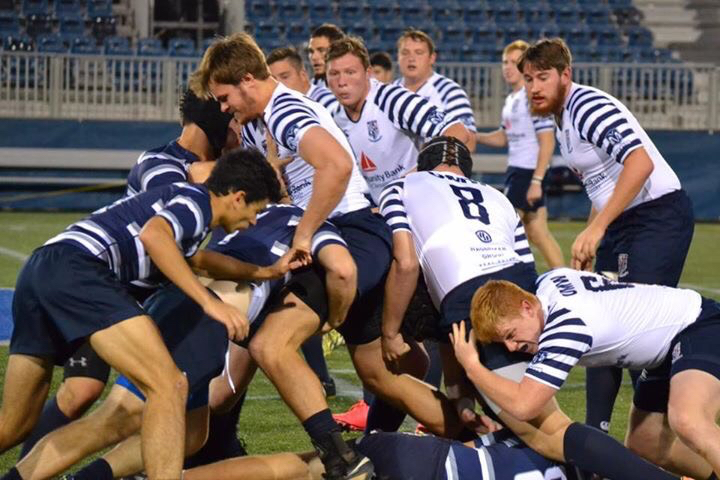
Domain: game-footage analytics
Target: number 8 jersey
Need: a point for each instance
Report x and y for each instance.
(462, 229)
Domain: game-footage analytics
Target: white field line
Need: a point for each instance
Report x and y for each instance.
(9, 252)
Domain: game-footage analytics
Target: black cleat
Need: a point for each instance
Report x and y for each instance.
(342, 462)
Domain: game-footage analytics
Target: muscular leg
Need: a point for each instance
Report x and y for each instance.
(538, 234)
(117, 418)
(27, 382)
(280, 466)
(136, 349)
(240, 371)
(340, 281)
(422, 402)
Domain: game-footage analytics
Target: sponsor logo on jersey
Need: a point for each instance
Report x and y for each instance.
(483, 236)
(622, 265)
(373, 131)
(366, 164)
(614, 136)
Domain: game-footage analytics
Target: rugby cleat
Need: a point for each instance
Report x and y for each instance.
(340, 460)
(355, 419)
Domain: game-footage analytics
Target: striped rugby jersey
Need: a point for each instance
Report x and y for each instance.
(596, 135)
(112, 233)
(288, 116)
(461, 228)
(521, 129)
(322, 95)
(593, 321)
(160, 166)
(447, 95)
(393, 120)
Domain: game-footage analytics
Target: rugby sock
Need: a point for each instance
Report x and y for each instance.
(602, 385)
(434, 373)
(51, 419)
(313, 353)
(383, 416)
(13, 474)
(320, 424)
(368, 396)
(97, 470)
(593, 451)
(222, 442)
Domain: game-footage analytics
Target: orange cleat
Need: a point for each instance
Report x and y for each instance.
(355, 419)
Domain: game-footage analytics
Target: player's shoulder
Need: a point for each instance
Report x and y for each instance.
(583, 96)
(441, 83)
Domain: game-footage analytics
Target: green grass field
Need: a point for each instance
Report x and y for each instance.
(266, 425)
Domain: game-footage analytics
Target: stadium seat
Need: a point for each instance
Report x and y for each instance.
(390, 33)
(567, 14)
(103, 27)
(517, 31)
(38, 24)
(256, 10)
(99, 8)
(474, 14)
(455, 36)
(321, 12)
(582, 53)
(60, 7)
(610, 53)
(71, 27)
(537, 14)
(18, 43)
(484, 34)
(383, 13)
(117, 46)
(297, 32)
(266, 31)
(549, 31)
(9, 24)
(181, 47)
(578, 36)
(51, 43)
(35, 7)
(352, 12)
(597, 15)
(639, 36)
(292, 10)
(85, 46)
(446, 16)
(415, 14)
(619, 3)
(150, 47)
(607, 35)
(7, 6)
(503, 15)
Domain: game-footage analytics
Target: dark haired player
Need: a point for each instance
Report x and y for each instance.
(318, 46)
(76, 286)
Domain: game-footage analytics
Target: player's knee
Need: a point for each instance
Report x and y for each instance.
(343, 272)
(174, 385)
(264, 351)
(75, 397)
(645, 444)
(688, 426)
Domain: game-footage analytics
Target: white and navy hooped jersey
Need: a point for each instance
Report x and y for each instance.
(593, 321)
(159, 167)
(322, 95)
(288, 116)
(265, 242)
(521, 129)
(596, 135)
(112, 233)
(447, 95)
(461, 228)
(385, 137)
(502, 456)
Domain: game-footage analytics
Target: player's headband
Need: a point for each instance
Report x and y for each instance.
(207, 115)
(447, 150)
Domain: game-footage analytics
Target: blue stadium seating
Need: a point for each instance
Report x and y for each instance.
(181, 47)
(9, 24)
(35, 7)
(61, 7)
(38, 24)
(99, 8)
(51, 43)
(71, 27)
(117, 46)
(151, 47)
(85, 46)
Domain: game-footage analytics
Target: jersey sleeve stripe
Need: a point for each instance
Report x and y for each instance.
(564, 323)
(523, 251)
(174, 223)
(556, 314)
(546, 379)
(625, 151)
(577, 95)
(194, 208)
(586, 134)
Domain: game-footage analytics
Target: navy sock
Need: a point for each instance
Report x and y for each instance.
(602, 385)
(222, 442)
(368, 396)
(313, 353)
(97, 470)
(593, 451)
(383, 416)
(12, 474)
(434, 373)
(51, 419)
(320, 424)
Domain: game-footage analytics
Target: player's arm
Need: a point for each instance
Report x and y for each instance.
(524, 400)
(333, 166)
(496, 138)
(399, 289)
(159, 242)
(223, 267)
(546, 143)
(459, 131)
(636, 170)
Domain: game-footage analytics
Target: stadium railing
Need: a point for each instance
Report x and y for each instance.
(674, 96)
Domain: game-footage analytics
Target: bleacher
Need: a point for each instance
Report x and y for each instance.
(466, 30)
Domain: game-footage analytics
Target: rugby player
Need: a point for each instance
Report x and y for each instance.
(382, 68)
(416, 58)
(318, 45)
(286, 66)
(76, 287)
(582, 318)
(531, 141)
(641, 223)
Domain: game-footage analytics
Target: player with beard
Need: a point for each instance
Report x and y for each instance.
(641, 222)
(318, 46)
(530, 143)
(286, 66)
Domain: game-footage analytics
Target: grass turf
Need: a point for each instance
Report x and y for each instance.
(266, 425)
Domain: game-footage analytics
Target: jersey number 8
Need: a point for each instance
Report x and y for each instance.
(470, 200)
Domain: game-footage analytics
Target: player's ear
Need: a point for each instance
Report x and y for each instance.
(238, 199)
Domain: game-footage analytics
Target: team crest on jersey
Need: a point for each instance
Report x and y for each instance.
(539, 358)
(483, 236)
(614, 136)
(622, 265)
(291, 139)
(373, 131)
(437, 117)
(366, 164)
(676, 353)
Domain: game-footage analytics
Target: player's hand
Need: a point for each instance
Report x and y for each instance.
(584, 248)
(464, 345)
(393, 347)
(477, 422)
(292, 260)
(235, 321)
(534, 193)
(302, 247)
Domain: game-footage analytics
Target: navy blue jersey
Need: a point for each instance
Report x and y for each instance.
(158, 167)
(111, 233)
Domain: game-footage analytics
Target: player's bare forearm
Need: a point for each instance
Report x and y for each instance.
(400, 284)
(223, 267)
(546, 142)
(157, 238)
(637, 169)
(496, 138)
(458, 130)
(333, 167)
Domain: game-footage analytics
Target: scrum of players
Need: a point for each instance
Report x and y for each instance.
(346, 202)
